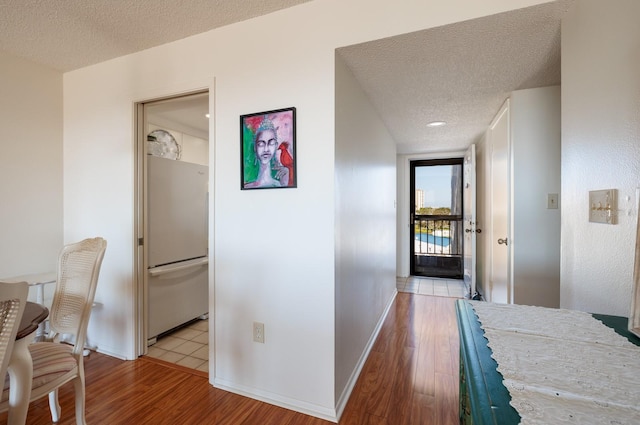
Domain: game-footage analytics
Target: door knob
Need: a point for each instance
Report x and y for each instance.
(478, 230)
(467, 230)
(502, 241)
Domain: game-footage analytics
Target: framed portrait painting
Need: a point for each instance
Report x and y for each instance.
(268, 149)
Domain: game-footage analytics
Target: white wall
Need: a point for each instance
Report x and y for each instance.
(273, 250)
(600, 150)
(535, 173)
(365, 188)
(30, 167)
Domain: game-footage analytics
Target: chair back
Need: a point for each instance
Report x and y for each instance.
(13, 298)
(78, 270)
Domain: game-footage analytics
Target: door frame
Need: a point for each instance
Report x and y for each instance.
(402, 204)
(140, 207)
(470, 217)
(457, 160)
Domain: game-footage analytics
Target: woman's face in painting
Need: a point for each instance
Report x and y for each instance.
(266, 145)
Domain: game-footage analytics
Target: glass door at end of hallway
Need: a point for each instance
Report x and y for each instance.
(436, 218)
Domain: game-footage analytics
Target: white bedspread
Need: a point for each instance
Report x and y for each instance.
(563, 366)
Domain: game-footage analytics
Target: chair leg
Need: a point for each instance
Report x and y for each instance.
(78, 384)
(54, 406)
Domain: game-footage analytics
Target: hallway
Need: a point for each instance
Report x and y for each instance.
(411, 374)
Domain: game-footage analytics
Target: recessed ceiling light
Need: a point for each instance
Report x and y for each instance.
(436, 124)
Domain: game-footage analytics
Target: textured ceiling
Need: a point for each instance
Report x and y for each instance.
(71, 34)
(459, 73)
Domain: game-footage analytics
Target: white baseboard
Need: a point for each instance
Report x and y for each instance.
(110, 353)
(278, 400)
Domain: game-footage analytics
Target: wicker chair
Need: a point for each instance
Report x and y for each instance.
(13, 298)
(55, 363)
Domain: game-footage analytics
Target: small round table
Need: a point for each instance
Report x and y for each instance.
(34, 314)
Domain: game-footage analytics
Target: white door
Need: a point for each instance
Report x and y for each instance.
(469, 219)
(500, 288)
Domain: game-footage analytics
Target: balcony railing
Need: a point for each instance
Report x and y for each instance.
(438, 236)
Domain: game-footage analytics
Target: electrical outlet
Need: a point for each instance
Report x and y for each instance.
(258, 332)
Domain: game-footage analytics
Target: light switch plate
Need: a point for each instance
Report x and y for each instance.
(603, 206)
(258, 332)
(552, 201)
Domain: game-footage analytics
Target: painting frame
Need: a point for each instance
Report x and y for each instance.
(268, 149)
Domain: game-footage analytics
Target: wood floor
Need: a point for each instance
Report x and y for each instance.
(411, 377)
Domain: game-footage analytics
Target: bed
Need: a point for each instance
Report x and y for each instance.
(484, 396)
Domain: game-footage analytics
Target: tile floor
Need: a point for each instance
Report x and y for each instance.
(188, 346)
(431, 286)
